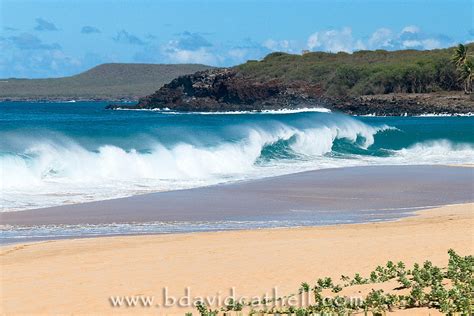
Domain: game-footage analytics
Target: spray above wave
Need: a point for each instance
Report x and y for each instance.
(52, 170)
(46, 161)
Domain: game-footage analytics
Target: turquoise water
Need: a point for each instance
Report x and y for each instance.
(62, 153)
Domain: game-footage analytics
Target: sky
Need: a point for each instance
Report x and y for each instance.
(52, 38)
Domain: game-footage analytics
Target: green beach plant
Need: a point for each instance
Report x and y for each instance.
(449, 290)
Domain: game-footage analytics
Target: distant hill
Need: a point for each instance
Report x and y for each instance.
(106, 81)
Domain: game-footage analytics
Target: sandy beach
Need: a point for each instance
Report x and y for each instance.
(236, 158)
(312, 198)
(78, 276)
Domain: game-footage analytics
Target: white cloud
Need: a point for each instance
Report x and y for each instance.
(410, 37)
(201, 55)
(246, 50)
(381, 38)
(274, 45)
(428, 43)
(359, 45)
(334, 40)
(190, 48)
(411, 43)
(26, 56)
(411, 29)
(431, 43)
(237, 53)
(38, 63)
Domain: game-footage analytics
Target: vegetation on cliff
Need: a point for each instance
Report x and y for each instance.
(363, 72)
(418, 82)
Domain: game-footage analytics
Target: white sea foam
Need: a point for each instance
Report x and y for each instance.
(51, 173)
(444, 114)
(435, 152)
(469, 114)
(280, 111)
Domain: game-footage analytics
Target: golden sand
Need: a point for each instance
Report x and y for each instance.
(78, 276)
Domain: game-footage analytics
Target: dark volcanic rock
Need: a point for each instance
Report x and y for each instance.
(228, 90)
(447, 103)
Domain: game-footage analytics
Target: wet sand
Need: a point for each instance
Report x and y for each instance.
(78, 276)
(358, 194)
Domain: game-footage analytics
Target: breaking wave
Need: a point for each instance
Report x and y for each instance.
(47, 171)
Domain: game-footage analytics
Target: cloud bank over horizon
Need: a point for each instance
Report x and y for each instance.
(46, 58)
(49, 46)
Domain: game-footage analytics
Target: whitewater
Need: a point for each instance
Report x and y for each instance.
(64, 153)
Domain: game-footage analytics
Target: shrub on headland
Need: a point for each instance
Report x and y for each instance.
(367, 72)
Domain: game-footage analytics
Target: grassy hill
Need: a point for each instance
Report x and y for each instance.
(107, 81)
(362, 72)
(334, 74)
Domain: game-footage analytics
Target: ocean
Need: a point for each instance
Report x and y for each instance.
(63, 153)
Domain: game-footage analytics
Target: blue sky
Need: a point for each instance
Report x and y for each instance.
(50, 38)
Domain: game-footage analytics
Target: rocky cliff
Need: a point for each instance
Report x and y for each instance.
(230, 90)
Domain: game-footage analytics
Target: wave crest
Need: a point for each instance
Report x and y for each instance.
(46, 173)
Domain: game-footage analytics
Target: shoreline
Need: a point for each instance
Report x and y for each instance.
(307, 199)
(311, 198)
(411, 213)
(254, 261)
(434, 104)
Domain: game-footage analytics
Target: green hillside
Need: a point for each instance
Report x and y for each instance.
(107, 81)
(362, 72)
(336, 75)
